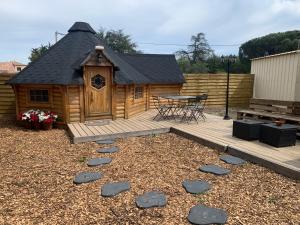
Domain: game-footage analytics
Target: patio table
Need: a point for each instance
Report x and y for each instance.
(181, 102)
(179, 97)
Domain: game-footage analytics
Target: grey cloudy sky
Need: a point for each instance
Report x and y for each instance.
(28, 23)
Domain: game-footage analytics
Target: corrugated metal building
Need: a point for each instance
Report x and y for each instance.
(277, 77)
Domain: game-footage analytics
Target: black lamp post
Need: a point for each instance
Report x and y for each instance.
(229, 60)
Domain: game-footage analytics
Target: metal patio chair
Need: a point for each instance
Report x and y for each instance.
(174, 108)
(162, 109)
(195, 109)
(201, 107)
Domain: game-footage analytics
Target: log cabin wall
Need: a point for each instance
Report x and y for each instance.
(136, 106)
(126, 106)
(55, 103)
(7, 97)
(163, 89)
(74, 104)
(119, 99)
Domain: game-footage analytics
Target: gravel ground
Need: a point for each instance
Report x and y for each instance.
(37, 171)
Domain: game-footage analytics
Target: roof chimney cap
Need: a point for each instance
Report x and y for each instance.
(99, 47)
(81, 27)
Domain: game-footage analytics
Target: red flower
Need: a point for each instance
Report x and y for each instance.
(34, 117)
(48, 121)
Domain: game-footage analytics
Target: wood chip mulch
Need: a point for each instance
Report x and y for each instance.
(37, 171)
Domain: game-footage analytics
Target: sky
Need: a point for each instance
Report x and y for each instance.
(26, 24)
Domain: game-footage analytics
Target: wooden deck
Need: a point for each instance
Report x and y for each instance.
(215, 132)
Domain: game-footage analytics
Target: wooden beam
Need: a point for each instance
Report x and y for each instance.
(66, 104)
(127, 96)
(148, 96)
(17, 102)
(114, 101)
(81, 104)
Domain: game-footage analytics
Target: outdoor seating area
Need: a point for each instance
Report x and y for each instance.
(275, 134)
(180, 108)
(269, 110)
(273, 122)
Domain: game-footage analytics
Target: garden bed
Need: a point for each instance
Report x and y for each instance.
(38, 168)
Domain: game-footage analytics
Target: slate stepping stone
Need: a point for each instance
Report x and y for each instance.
(108, 150)
(86, 177)
(112, 189)
(232, 160)
(217, 170)
(105, 142)
(195, 186)
(98, 161)
(151, 199)
(203, 215)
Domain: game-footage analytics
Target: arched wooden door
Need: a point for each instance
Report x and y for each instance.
(98, 92)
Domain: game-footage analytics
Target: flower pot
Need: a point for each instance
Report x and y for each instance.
(47, 126)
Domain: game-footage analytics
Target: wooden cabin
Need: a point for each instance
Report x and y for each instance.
(81, 79)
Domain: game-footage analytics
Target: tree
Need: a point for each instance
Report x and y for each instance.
(118, 41)
(38, 52)
(186, 67)
(238, 67)
(214, 64)
(273, 43)
(184, 64)
(198, 51)
(193, 59)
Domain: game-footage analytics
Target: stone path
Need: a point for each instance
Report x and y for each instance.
(196, 186)
(198, 214)
(108, 150)
(217, 170)
(98, 161)
(203, 215)
(86, 177)
(151, 199)
(232, 160)
(107, 142)
(112, 189)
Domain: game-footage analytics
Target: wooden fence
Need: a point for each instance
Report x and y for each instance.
(7, 97)
(241, 88)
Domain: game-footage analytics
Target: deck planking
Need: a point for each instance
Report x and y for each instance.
(214, 132)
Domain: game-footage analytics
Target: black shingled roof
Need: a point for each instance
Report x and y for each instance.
(61, 64)
(159, 69)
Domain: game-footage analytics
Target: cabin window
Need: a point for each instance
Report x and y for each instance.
(138, 92)
(39, 96)
(98, 81)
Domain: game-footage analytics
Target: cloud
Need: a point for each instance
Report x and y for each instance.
(28, 24)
